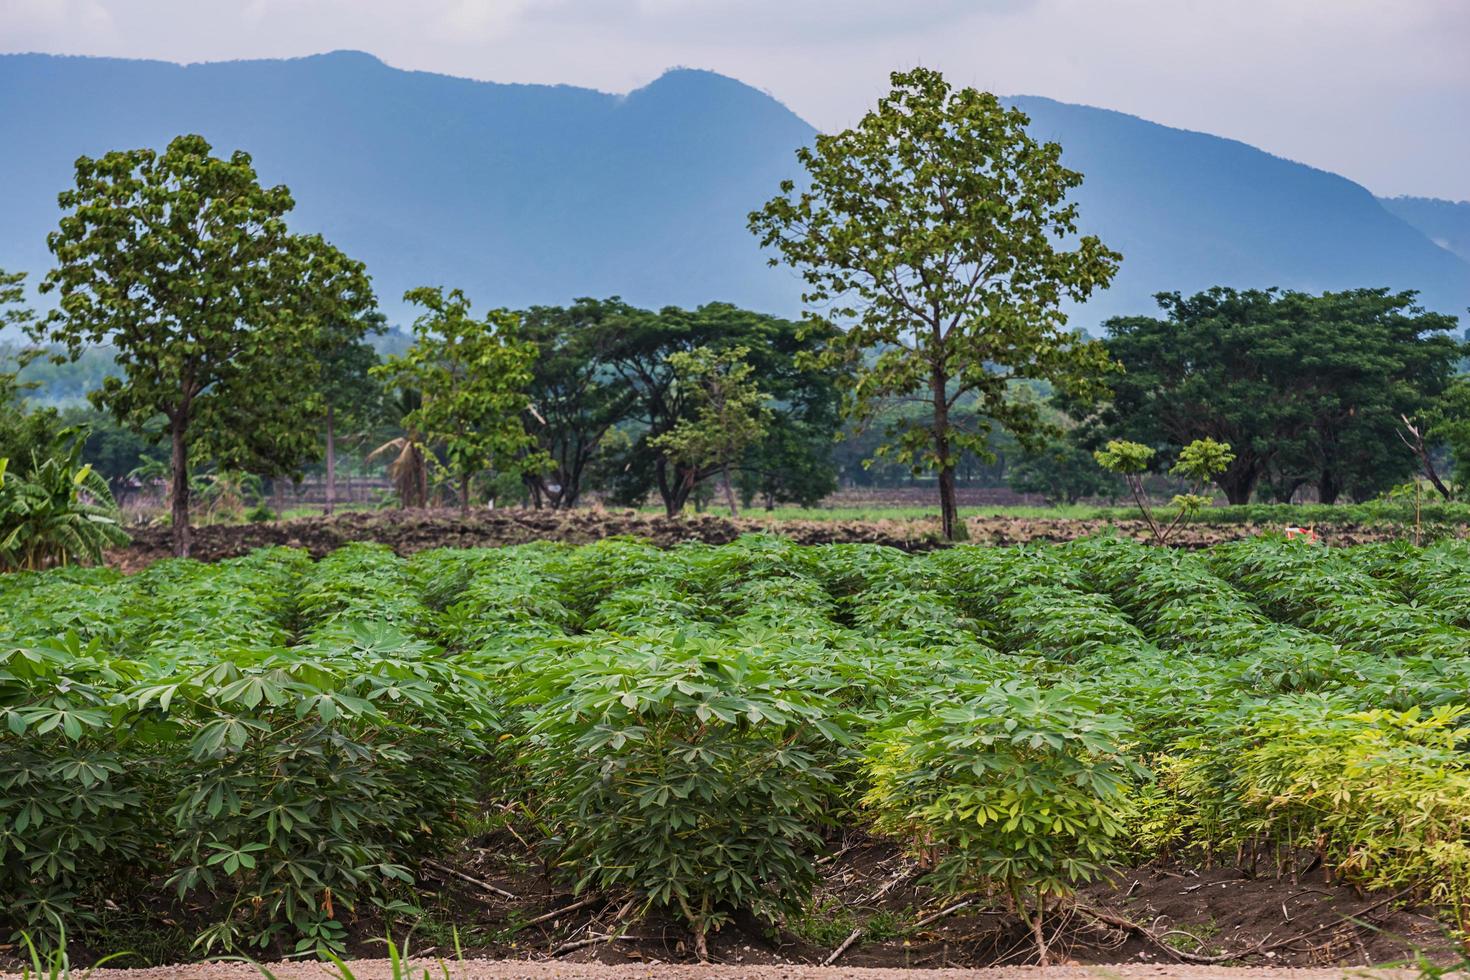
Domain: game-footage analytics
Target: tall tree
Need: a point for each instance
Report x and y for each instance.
(1062, 472)
(576, 399)
(635, 348)
(24, 433)
(1447, 425)
(183, 262)
(1305, 389)
(1219, 364)
(935, 232)
(792, 463)
(729, 416)
(1369, 358)
(473, 376)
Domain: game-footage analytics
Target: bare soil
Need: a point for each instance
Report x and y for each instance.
(408, 531)
(1159, 920)
(522, 970)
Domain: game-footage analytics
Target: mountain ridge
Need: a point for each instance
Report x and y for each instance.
(530, 193)
(1444, 222)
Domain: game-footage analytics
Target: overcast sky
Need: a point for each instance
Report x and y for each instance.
(1377, 90)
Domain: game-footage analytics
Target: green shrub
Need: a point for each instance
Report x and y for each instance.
(1383, 796)
(1022, 791)
(685, 773)
(56, 512)
(274, 788)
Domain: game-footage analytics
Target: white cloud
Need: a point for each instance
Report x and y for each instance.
(44, 18)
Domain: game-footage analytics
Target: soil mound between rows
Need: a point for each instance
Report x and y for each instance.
(409, 531)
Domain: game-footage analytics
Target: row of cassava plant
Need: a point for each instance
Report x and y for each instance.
(184, 745)
(279, 741)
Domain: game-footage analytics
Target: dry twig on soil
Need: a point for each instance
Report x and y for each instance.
(931, 919)
(444, 869)
(852, 938)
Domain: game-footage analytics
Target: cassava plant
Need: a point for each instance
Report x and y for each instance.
(685, 773)
(1199, 462)
(1021, 791)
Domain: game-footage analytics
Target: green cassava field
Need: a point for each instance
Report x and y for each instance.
(265, 751)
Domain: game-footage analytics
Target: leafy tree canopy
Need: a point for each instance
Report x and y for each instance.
(634, 347)
(184, 264)
(1304, 388)
(1449, 427)
(729, 416)
(1062, 472)
(937, 232)
(576, 400)
(473, 376)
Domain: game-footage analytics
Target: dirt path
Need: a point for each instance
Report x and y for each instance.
(523, 970)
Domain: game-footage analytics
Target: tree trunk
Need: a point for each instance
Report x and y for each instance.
(1239, 480)
(1237, 492)
(1426, 459)
(179, 492)
(331, 491)
(673, 500)
(949, 512)
(729, 491)
(464, 495)
(948, 509)
(1327, 488)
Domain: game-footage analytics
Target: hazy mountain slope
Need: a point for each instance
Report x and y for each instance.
(1189, 210)
(1446, 223)
(519, 193)
(537, 194)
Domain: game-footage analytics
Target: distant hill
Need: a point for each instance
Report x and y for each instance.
(527, 194)
(1446, 223)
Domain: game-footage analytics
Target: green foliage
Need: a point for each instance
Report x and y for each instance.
(729, 412)
(1449, 426)
(1203, 460)
(1381, 794)
(26, 434)
(1199, 462)
(56, 511)
(184, 264)
(574, 402)
(688, 773)
(13, 309)
(932, 233)
(633, 348)
(276, 789)
(281, 741)
(473, 377)
(1062, 472)
(1122, 456)
(1307, 389)
(1023, 791)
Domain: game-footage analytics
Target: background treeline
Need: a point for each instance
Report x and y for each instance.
(937, 243)
(1311, 391)
(1321, 397)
